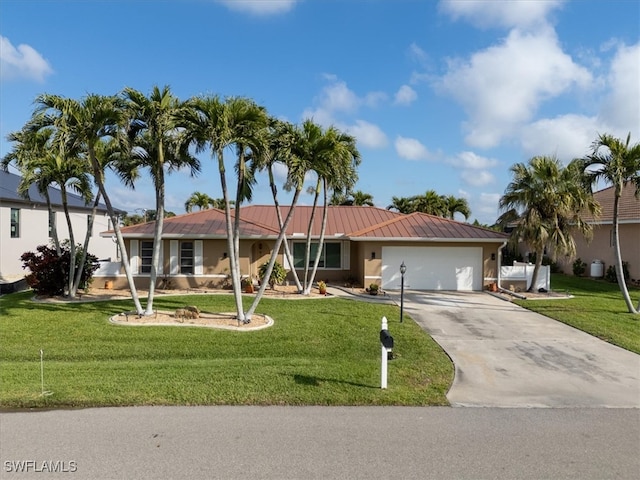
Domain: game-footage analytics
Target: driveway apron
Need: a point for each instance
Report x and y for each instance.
(507, 356)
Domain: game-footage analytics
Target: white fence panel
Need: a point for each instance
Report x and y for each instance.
(524, 271)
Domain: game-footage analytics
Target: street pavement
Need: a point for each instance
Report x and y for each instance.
(280, 443)
(507, 356)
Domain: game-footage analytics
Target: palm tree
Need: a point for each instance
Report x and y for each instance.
(86, 125)
(335, 166)
(430, 203)
(361, 199)
(217, 124)
(617, 163)
(200, 200)
(402, 205)
(156, 145)
(548, 200)
(455, 205)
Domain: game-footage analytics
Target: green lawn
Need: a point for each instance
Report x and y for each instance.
(598, 308)
(319, 352)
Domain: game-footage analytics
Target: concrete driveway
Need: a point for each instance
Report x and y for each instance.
(507, 356)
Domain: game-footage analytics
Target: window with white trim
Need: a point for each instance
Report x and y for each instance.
(146, 256)
(186, 257)
(330, 257)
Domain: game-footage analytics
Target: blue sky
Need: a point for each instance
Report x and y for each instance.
(442, 95)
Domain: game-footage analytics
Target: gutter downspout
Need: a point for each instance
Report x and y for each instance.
(500, 263)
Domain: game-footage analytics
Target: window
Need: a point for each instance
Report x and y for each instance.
(52, 223)
(329, 258)
(186, 258)
(15, 223)
(146, 253)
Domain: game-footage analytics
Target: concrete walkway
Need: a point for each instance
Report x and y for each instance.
(507, 356)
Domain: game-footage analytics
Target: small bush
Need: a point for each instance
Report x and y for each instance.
(579, 267)
(50, 272)
(610, 275)
(278, 274)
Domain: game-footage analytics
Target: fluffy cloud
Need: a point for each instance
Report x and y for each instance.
(501, 87)
(22, 62)
(491, 13)
(411, 149)
(566, 136)
(477, 178)
(621, 108)
(259, 7)
(367, 134)
(471, 161)
(405, 95)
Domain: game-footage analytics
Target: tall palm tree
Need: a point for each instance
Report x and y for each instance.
(217, 125)
(455, 205)
(200, 200)
(402, 205)
(156, 144)
(335, 166)
(548, 200)
(430, 203)
(86, 125)
(361, 199)
(618, 163)
(30, 145)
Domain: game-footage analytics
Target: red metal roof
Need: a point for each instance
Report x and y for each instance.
(357, 223)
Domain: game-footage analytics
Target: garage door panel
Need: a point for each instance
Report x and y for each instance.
(433, 268)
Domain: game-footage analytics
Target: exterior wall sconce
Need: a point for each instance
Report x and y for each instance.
(373, 255)
(224, 255)
(493, 256)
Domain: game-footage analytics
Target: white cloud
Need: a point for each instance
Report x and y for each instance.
(621, 108)
(486, 208)
(22, 62)
(405, 95)
(411, 149)
(492, 13)
(259, 7)
(502, 87)
(477, 178)
(368, 134)
(566, 136)
(471, 161)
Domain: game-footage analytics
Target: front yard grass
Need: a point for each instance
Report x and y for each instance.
(319, 352)
(597, 308)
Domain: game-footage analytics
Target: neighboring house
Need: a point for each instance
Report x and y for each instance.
(363, 245)
(25, 224)
(601, 246)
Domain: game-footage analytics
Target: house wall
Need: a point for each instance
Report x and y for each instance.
(600, 248)
(34, 231)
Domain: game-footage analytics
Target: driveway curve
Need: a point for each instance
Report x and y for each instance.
(507, 356)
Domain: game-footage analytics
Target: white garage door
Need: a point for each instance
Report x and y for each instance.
(433, 268)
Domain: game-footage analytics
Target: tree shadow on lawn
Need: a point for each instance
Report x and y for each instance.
(316, 381)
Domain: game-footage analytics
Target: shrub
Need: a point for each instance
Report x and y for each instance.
(50, 272)
(278, 274)
(610, 275)
(579, 267)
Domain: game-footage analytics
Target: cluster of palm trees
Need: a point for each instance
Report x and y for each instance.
(72, 143)
(546, 202)
(203, 201)
(432, 203)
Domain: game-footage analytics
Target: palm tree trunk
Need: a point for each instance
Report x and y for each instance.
(72, 244)
(157, 238)
(321, 240)
(54, 228)
(83, 259)
(234, 259)
(98, 177)
(287, 250)
(307, 252)
(619, 269)
(272, 259)
(536, 269)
